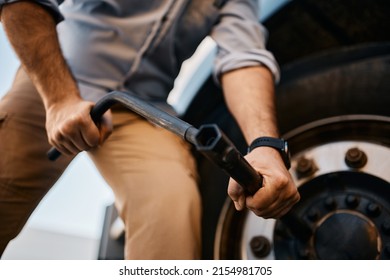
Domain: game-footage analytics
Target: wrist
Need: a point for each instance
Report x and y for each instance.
(278, 144)
(54, 102)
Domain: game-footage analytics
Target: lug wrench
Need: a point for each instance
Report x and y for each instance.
(209, 140)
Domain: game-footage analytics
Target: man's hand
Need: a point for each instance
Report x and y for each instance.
(31, 30)
(71, 129)
(278, 194)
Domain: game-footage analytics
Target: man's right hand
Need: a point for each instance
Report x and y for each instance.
(31, 30)
(70, 128)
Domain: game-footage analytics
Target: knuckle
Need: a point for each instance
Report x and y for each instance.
(232, 192)
(68, 127)
(233, 189)
(297, 198)
(58, 135)
(281, 179)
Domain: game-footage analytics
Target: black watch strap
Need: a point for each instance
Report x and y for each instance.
(276, 143)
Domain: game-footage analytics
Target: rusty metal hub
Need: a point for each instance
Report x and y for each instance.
(348, 214)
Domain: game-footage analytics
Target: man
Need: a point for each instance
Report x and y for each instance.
(133, 46)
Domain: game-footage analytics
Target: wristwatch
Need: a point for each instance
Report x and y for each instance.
(279, 144)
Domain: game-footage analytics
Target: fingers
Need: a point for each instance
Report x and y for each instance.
(74, 134)
(276, 207)
(71, 128)
(105, 127)
(236, 193)
(278, 193)
(71, 143)
(276, 198)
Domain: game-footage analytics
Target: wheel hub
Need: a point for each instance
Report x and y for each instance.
(344, 215)
(346, 235)
(344, 211)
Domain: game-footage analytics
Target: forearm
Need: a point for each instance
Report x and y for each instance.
(31, 31)
(249, 95)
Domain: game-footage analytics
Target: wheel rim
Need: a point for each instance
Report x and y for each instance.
(349, 158)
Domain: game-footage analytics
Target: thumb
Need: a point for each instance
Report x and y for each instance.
(105, 126)
(236, 193)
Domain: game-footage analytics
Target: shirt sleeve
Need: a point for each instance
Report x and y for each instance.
(241, 39)
(50, 5)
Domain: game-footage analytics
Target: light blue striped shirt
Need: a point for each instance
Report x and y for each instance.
(139, 45)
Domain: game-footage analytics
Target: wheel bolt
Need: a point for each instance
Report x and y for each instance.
(386, 227)
(352, 201)
(373, 210)
(260, 246)
(330, 203)
(313, 215)
(305, 167)
(355, 158)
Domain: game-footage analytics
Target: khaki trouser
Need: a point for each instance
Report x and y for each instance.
(150, 170)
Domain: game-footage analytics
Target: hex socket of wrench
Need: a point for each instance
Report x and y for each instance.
(217, 147)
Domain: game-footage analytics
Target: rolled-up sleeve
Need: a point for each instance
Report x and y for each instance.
(50, 5)
(241, 39)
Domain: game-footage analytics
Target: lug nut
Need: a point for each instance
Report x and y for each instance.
(355, 158)
(352, 201)
(313, 215)
(260, 246)
(373, 209)
(305, 167)
(330, 203)
(386, 227)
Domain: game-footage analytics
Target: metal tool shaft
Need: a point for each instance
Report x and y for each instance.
(209, 139)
